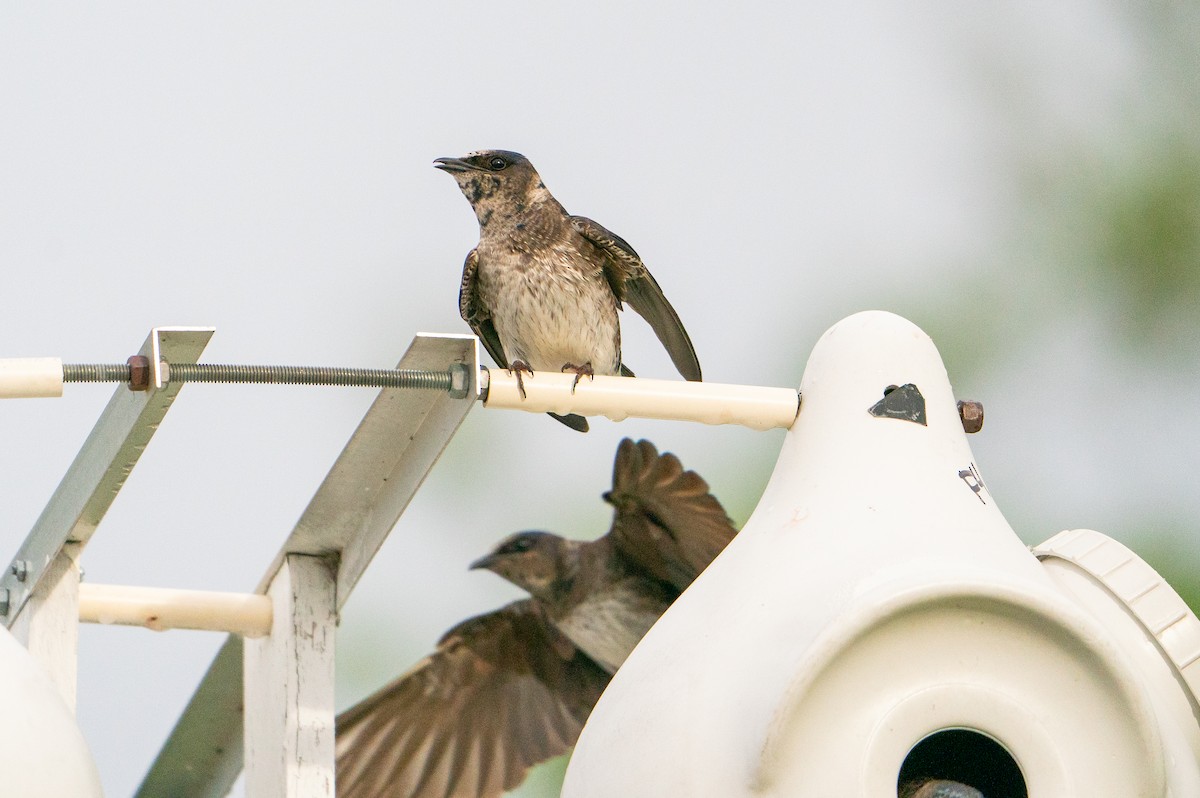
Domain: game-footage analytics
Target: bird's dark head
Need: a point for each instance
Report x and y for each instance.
(535, 561)
(494, 181)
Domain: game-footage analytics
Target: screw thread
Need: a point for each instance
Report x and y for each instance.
(285, 375)
(96, 372)
(310, 375)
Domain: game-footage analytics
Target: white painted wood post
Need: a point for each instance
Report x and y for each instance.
(288, 680)
(48, 625)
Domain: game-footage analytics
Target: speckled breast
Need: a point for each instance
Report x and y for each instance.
(550, 312)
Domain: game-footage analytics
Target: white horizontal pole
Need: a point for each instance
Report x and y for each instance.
(619, 398)
(30, 377)
(247, 614)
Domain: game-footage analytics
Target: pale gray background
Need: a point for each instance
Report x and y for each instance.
(1021, 180)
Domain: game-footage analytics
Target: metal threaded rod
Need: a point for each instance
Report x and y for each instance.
(454, 380)
(96, 372)
(311, 375)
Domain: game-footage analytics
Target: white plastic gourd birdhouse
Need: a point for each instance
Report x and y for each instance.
(877, 620)
(42, 752)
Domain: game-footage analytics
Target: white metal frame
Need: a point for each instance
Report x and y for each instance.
(278, 681)
(349, 517)
(42, 585)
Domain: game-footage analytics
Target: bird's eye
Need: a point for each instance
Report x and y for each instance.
(520, 545)
(497, 163)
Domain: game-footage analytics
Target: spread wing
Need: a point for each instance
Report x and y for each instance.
(503, 691)
(476, 314)
(665, 520)
(633, 283)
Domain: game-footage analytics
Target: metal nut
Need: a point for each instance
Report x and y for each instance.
(139, 373)
(460, 380)
(20, 569)
(971, 414)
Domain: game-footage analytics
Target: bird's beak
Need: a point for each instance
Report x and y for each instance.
(452, 165)
(484, 562)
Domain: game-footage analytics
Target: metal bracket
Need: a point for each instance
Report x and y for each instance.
(349, 517)
(103, 464)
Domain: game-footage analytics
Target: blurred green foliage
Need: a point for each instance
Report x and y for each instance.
(1128, 224)
(545, 780)
(1162, 537)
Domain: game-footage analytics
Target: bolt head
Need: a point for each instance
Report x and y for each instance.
(971, 414)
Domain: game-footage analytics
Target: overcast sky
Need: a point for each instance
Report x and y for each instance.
(264, 168)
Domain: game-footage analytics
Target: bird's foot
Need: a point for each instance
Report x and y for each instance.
(580, 372)
(516, 367)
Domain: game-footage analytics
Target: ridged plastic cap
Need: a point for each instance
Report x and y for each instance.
(1130, 580)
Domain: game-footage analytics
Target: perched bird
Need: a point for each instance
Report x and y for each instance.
(513, 687)
(542, 288)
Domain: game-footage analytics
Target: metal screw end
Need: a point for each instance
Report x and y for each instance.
(20, 569)
(4, 601)
(485, 383)
(971, 414)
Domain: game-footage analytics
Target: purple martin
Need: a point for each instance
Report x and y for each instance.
(542, 288)
(513, 687)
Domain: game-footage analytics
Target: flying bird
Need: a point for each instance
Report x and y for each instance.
(513, 687)
(542, 288)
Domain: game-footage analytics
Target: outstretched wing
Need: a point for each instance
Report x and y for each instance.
(633, 283)
(665, 520)
(476, 314)
(503, 692)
